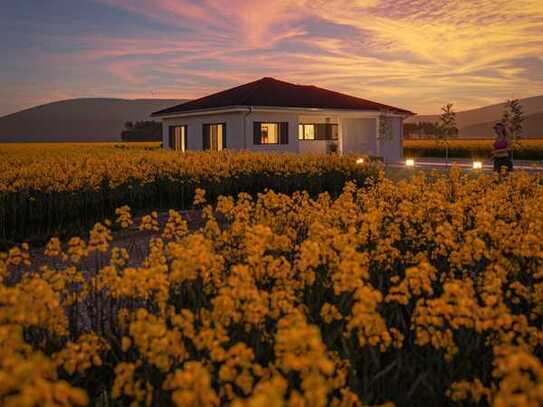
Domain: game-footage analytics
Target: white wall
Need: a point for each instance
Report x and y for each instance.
(392, 150)
(235, 137)
(194, 125)
(314, 146)
(357, 135)
(291, 118)
(318, 119)
(317, 146)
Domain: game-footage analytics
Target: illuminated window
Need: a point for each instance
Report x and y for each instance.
(319, 131)
(178, 138)
(214, 137)
(270, 133)
(306, 132)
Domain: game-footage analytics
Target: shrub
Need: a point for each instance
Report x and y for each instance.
(62, 189)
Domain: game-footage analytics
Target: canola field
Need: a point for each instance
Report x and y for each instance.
(48, 189)
(423, 292)
(527, 149)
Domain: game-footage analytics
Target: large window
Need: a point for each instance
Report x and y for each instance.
(214, 136)
(178, 138)
(318, 131)
(270, 133)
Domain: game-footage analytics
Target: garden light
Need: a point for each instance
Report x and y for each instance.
(477, 165)
(360, 161)
(409, 162)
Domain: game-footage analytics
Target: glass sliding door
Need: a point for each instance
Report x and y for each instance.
(178, 138)
(214, 136)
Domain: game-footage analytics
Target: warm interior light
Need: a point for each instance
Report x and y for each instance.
(410, 162)
(360, 161)
(477, 165)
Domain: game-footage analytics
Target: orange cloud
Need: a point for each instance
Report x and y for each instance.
(414, 53)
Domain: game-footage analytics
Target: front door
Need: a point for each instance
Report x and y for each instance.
(359, 136)
(214, 137)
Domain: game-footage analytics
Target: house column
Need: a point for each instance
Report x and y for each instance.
(340, 135)
(377, 138)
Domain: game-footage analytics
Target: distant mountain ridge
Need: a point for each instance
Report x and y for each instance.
(78, 120)
(478, 123)
(103, 119)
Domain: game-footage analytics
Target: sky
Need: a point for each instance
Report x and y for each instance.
(415, 54)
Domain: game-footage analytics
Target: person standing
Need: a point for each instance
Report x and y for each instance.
(501, 152)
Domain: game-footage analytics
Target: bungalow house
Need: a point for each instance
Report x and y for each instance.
(276, 116)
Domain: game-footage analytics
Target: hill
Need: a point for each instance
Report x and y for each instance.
(478, 123)
(78, 120)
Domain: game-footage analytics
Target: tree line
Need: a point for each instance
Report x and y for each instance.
(142, 130)
(446, 128)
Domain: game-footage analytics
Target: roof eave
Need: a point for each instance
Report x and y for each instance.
(193, 112)
(238, 108)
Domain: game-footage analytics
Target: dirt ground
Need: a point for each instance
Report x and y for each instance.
(136, 243)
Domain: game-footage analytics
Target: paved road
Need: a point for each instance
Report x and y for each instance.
(487, 165)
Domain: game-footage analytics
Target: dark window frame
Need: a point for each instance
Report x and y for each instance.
(283, 135)
(207, 125)
(171, 130)
(330, 125)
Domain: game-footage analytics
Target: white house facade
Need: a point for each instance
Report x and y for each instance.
(274, 116)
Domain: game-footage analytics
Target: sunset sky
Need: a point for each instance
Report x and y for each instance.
(416, 54)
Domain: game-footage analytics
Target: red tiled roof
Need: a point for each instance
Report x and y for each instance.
(271, 92)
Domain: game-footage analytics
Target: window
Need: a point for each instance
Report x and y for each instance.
(306, 132)
(270, 133)
(178, 138)
(319, 131)
(214, 136)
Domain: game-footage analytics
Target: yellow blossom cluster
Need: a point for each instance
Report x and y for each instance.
(427, 291)
(51, 188)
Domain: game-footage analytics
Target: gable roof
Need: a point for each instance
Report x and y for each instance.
(270, 92)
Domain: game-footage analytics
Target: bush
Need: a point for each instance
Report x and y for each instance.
(65, 190)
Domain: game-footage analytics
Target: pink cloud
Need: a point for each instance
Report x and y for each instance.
(127, 70)
(260, 23)
(419, 53)
(164, 10)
